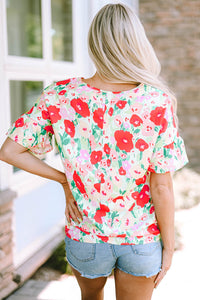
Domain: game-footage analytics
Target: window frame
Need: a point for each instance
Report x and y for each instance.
(43, 69)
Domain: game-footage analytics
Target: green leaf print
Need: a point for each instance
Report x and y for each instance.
(179, 143)
(78, 142)
(64, 138)
(76, 121)
(166, 152)
(73, 184)
(117, 149)
(137, 130)
(43, 131)
(60, 150)
(141, 154)
(35, 138)
(120, 163)
(122, 192)
(133, 214)
(114, 215)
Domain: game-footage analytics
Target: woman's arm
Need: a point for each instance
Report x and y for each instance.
(19, 156)
(161, 188)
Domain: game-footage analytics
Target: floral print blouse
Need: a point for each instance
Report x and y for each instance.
(109, 143)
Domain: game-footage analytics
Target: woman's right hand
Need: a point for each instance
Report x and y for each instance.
(167, 255)
(71, 209)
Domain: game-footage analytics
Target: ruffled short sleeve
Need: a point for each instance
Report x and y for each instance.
(169, 153)
(33, 129)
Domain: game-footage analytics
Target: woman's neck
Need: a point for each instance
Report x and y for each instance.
(97, 82)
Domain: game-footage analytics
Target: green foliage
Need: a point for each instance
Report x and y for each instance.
(58, 261)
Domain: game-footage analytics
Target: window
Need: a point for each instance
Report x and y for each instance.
(23, 94)
(24, 28)
(61, 11)
(41, 41)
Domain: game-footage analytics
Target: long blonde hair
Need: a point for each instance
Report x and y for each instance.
(121, 51)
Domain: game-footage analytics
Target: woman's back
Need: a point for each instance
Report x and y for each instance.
(109, 143)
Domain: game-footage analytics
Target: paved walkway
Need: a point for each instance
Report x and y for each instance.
(181, 282)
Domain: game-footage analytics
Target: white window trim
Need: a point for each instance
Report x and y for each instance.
(34, 69)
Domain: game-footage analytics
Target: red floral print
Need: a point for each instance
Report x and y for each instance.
(135, 195)
(98, 186)
(157, 115)
(153, 229)
(143, 197)
(106, 149)
(152, 209)
(85, 212)
(140, 180)
(80, 107)
(121, 235)
(135, 120)
(121, 104)
(164, 125)
(79, 183)
(122, 171)
(118, 198)
(110, 111)
(45, 115)
(95, 157)
(83, 230)
(49, 128)
(101, 213)
(69, 127)
(30, 111)
(62, 92)
(132, 206)
(124, 140)
(141, 145)
(67, 232)
(170, 146)
(103, 238)
(54, 114)
(98, 117)
(63, 82)
(19, 122)
(108, 162)
(102, 178)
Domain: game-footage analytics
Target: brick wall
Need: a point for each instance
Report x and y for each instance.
(173, 28)
(7, 284)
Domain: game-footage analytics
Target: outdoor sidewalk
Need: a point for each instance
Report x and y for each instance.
(180, 283)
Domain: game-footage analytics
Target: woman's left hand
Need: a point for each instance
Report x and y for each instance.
(166, 263)
(71, 209)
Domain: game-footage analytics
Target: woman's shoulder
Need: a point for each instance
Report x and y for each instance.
(61, 83)
(157, 95)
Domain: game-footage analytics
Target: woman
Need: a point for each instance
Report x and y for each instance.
(118, 140)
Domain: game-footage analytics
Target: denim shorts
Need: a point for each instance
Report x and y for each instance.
(95, 260)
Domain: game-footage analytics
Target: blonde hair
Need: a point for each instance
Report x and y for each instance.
(121, 51)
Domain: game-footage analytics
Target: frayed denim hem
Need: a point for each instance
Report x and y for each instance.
(89, 276)
(138, 274)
